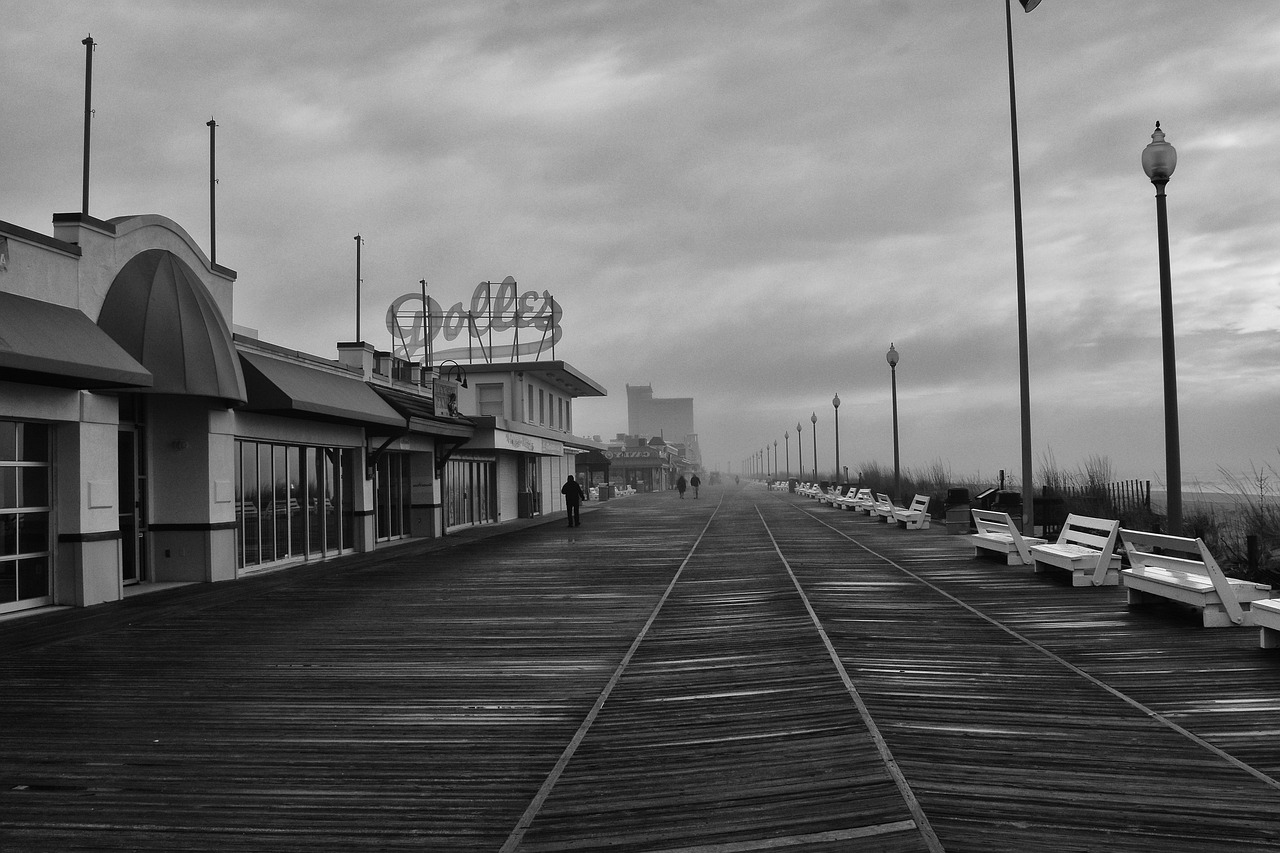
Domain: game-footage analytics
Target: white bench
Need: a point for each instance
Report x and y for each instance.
(1086, 547)
(1266, 615)
(856, 499)
(1193, 577)
(997, 533)
(915, 516)
(883, 507)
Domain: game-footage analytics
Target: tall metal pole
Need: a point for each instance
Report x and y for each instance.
(835, 402)
(813, 419)
(897, 472)
(1158, 160)
(88, 116)
(1172, 455)
(786, 437)
(359, 243)
(213, 183)
(1024, 378)
(800, 446)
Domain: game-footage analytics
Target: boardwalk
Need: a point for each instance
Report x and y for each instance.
(744, 672)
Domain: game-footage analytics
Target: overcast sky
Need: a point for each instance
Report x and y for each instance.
(740, 202)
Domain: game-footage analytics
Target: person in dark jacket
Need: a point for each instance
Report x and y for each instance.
(681, 485)
(573, 498)
(695, 482)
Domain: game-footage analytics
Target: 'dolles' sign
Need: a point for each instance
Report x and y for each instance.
(494, 309)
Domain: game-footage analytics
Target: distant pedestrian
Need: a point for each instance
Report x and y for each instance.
(573, 498)
(681, 485)
(695, 482)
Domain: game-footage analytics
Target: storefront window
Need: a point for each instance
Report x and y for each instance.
(292, 503)
(394, 502)
(470, 491)
(25, 515)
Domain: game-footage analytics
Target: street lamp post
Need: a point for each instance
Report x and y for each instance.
(835, 402)
(892, 357)
(800, 446)
(1158, 160)
(786, 438)
(813, 419)
(776, 472)
(1024, 375)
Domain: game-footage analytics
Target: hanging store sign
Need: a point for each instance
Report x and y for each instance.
(495, 310)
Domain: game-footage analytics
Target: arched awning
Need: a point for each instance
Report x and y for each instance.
(159, 311)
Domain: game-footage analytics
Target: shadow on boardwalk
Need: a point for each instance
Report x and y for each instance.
(743, 672)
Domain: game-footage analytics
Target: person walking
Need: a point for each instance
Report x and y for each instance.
(681, 485)
(695, 482)
(573, 498)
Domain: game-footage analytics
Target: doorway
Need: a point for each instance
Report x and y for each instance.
(131, 504)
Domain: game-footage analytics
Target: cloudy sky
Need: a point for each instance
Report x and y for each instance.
(743, 202)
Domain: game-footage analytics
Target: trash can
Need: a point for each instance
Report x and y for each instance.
(791, 485)
(958, 517)
(606, 491)
(1010, 502)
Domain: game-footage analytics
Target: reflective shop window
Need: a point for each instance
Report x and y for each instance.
(26, 477)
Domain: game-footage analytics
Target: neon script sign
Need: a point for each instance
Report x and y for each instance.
(494, 309)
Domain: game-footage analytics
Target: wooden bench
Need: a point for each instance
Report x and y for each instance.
(853, 498)
(915, 516)
(883, 507)
(997, 533)
(1266, 615)
(1192, 577)
(1086, 547)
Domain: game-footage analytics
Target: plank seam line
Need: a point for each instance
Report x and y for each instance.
(535, 805)
(861, 832)
(1097, 682)
(882, 746)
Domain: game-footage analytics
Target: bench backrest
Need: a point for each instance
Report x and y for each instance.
(1097, 533)
(1183, 554)
(1101, 534)
(920, 503)
(883, 504)
(990, 521)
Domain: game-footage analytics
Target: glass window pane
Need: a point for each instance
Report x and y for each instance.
(280, 502)
(33, 577)
(8, 488)
(406, 494)
(383, 495)
(33, 440)
(297, 504)
(314, 464)
(8, 581)
(347, 474)
(33, 532)
(332, 503)
(8, 534)
(34, 491)
(266, 518)
(8, 441)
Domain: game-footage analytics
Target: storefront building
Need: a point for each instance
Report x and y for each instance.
(142, 443)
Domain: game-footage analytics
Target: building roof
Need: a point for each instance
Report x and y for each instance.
(159, 311)
(558, 374)
(293, 389)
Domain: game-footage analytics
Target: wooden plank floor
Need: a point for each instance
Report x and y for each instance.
(748, 671)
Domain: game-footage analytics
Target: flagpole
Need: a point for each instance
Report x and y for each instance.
(1024, 381)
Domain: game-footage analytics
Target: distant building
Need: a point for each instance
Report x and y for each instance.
(668, 418)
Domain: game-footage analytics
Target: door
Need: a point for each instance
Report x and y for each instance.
(132, 482)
